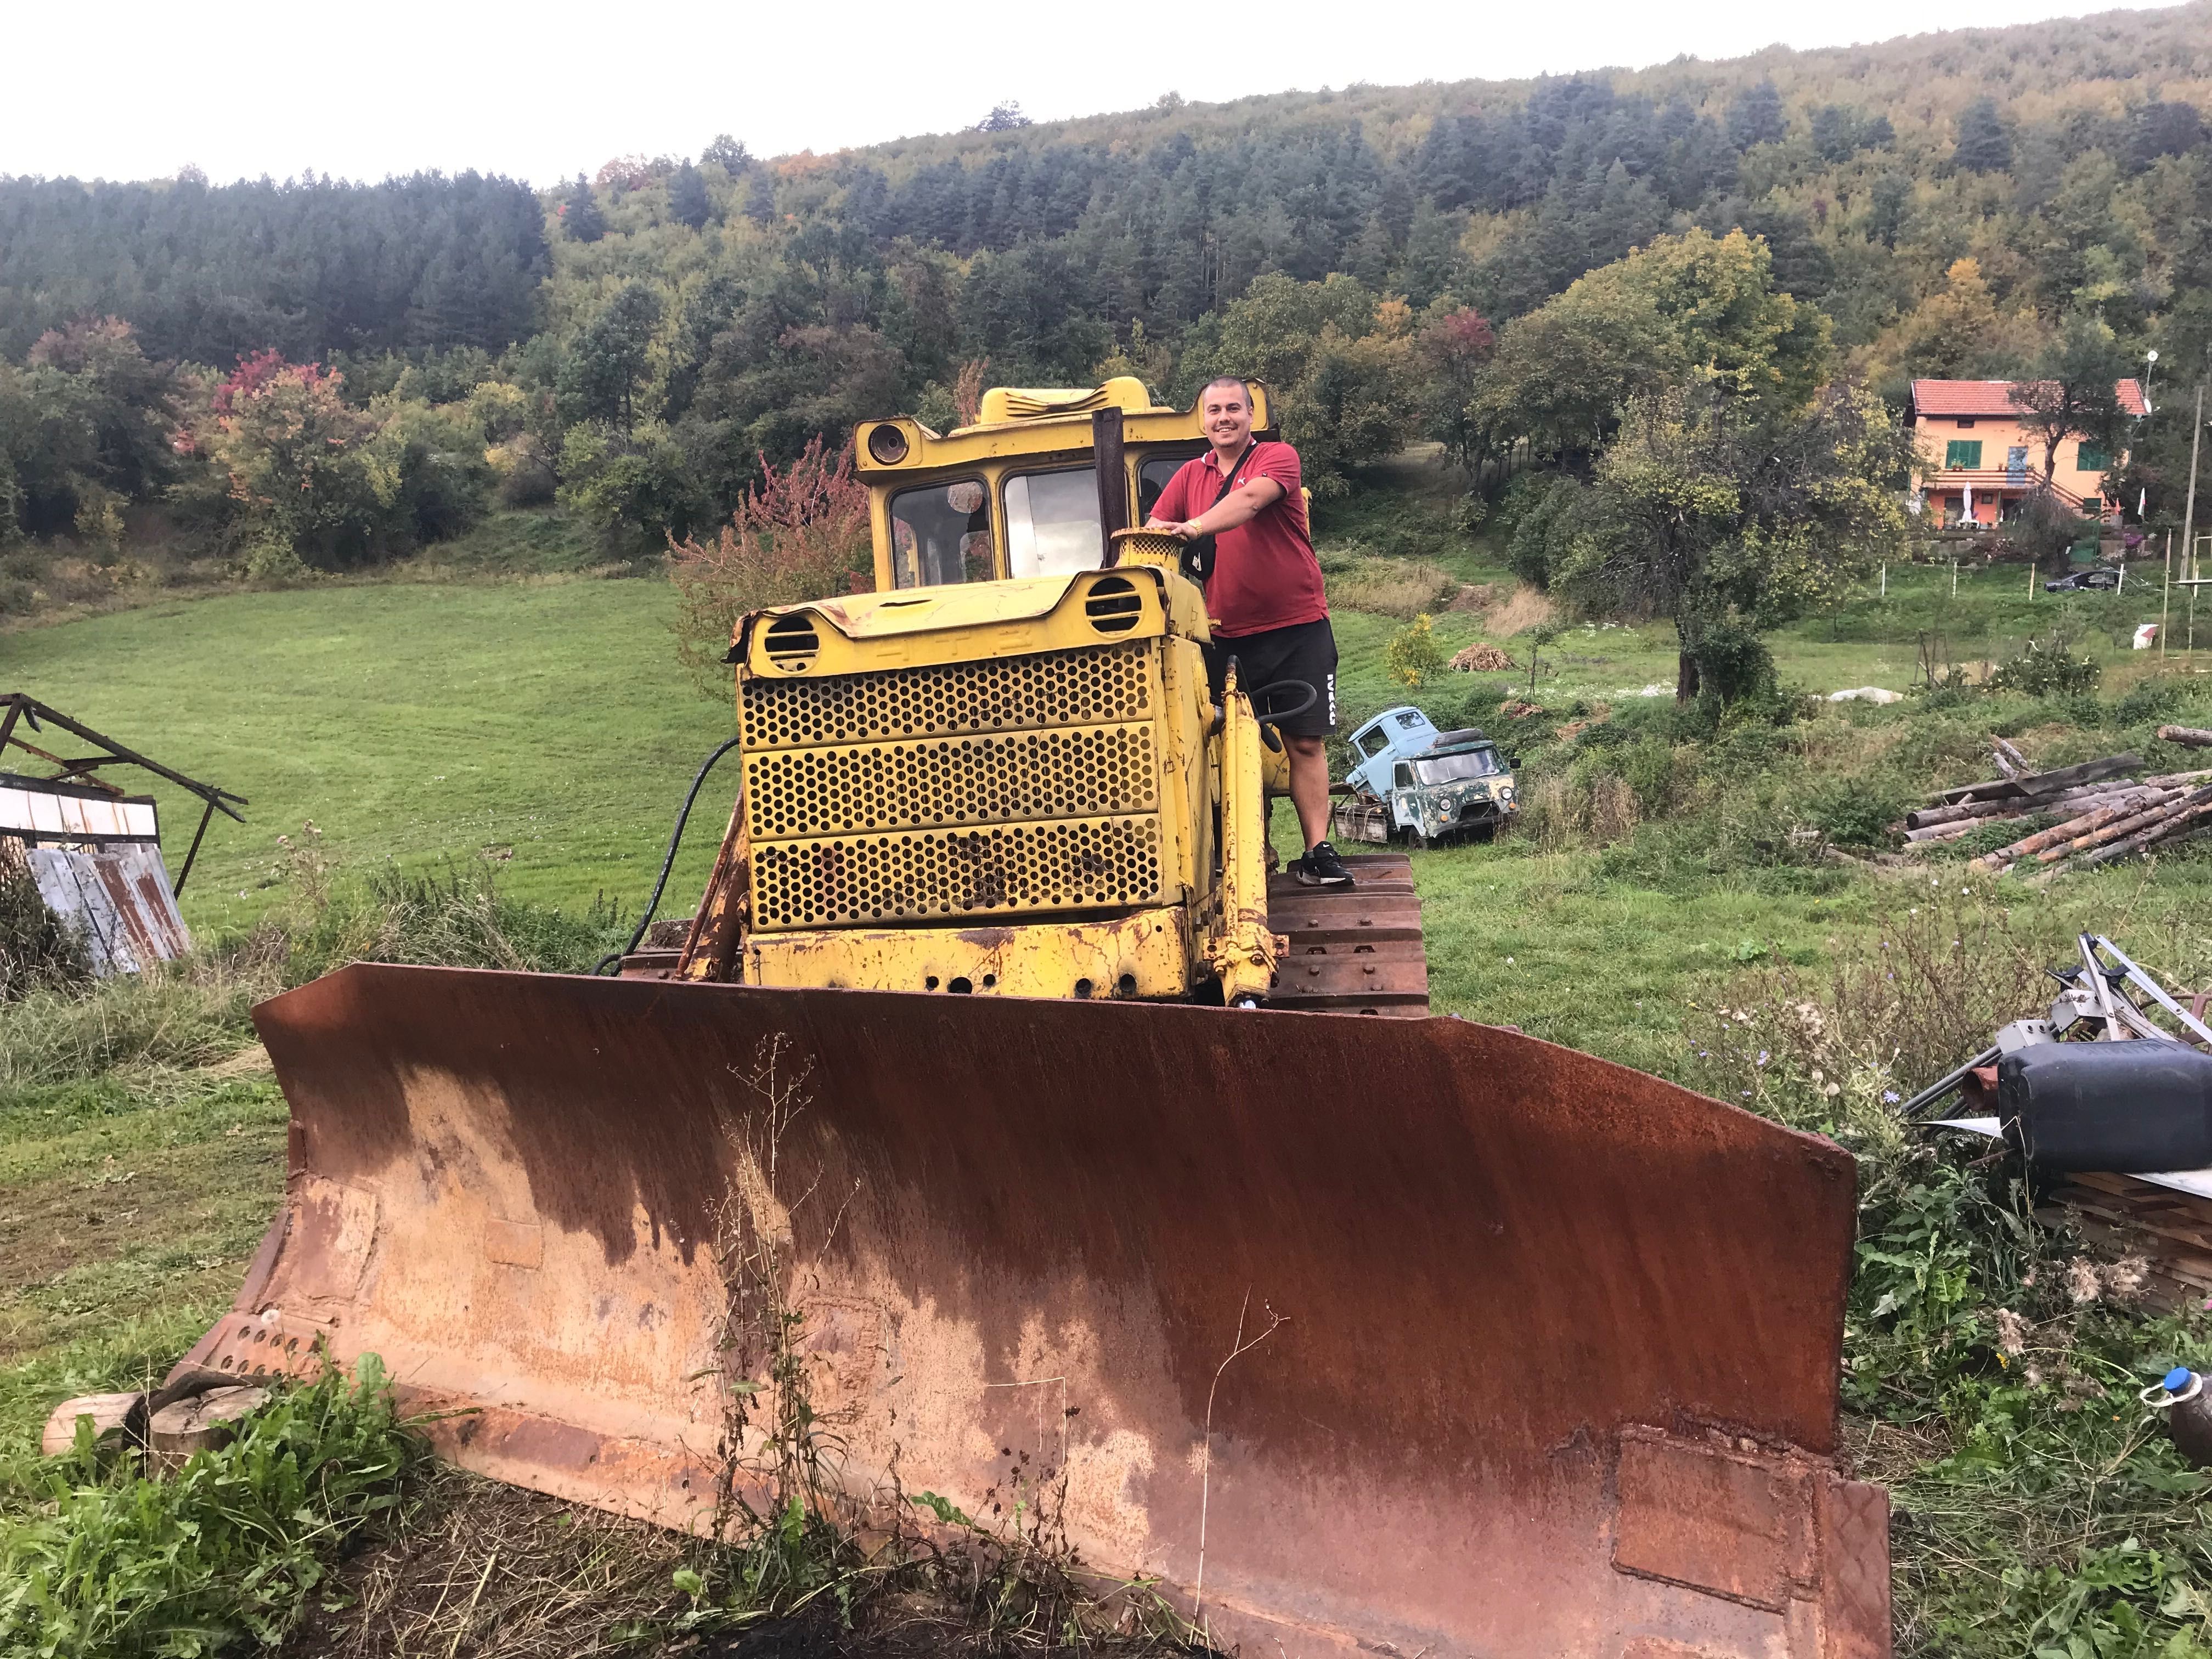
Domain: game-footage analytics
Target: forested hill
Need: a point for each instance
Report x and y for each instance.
(1945, 200)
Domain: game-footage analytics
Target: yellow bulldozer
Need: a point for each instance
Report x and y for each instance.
(992, 1046)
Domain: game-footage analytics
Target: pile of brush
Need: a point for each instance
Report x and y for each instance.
(2104, 812)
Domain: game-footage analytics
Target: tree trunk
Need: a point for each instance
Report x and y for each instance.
(1686, 678)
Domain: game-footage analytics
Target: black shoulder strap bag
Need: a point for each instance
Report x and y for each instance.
(1198, 555)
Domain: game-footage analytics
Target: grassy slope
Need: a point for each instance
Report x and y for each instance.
(411, 721)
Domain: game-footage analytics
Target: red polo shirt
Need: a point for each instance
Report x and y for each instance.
(1265, 575)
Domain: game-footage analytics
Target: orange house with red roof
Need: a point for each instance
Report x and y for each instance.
(1978, 462)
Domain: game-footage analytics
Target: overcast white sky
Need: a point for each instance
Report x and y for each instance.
(131, 90)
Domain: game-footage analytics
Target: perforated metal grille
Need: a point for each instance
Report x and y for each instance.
(1068, 864)
(1072, 772)
(1091, 686)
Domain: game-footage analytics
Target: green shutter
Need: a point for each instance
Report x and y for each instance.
(2092, 457)
(1963, 455)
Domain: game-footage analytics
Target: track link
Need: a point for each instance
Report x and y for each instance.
(1356, 952)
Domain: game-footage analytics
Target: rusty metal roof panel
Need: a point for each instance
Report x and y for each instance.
(119, 896)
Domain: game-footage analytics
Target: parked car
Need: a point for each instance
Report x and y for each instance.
(2103, 579)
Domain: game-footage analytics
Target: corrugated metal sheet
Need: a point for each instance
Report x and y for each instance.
(120, 896)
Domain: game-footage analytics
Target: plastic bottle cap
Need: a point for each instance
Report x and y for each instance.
(2176, 1380)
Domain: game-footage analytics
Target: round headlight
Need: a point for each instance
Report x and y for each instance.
(886, 445)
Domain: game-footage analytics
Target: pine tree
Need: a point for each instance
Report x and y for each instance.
(760, 201)
(687, 198)
(1755, 117)
(1984, 145)
(580, 218)
(727, 154)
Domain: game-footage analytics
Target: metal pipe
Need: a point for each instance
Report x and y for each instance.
(2150, 987)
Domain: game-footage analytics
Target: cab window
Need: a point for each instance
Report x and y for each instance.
(1152, 476)
(1412, 719)
(941, 533)
(1403, 777)
(1052, 522)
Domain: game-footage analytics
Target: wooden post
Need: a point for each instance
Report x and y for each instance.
(1954, 579)
(2189, 512)
(177, 886)
(1885, 579)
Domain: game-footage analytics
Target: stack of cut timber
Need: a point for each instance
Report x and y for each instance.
(2171, 1229)
(2102, 811)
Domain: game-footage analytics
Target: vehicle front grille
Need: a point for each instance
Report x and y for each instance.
(1066, 864)
(1016, 784)
(1005, 693)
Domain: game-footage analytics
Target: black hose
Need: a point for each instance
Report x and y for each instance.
(675, 840)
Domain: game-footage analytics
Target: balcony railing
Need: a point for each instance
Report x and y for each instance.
(2002, 480)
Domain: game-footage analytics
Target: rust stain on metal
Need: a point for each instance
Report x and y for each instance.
(119, 895)
(1526, 1288)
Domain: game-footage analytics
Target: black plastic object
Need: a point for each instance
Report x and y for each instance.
(2137, 1105)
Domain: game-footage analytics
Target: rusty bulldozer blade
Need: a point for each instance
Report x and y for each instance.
(1557, 1375)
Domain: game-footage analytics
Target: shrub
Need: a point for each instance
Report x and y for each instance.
(2047, 667)
(1413, 653)
(37, 949)
(800, 533)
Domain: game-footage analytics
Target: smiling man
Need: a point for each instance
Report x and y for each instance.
(1264, 597)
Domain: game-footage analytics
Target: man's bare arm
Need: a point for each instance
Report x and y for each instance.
(1239, 507)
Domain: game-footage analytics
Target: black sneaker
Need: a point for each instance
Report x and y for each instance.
(1320, 867)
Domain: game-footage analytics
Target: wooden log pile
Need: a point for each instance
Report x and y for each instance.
(2103, 811)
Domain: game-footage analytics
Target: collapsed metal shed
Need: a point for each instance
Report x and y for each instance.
(95, 853)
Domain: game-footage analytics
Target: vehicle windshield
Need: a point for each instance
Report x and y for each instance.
(941, 533)
(1451, 769)
(1052, 522)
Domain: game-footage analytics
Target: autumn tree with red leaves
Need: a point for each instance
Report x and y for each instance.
(800, 533)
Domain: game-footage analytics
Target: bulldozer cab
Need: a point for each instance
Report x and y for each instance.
(1016, 495)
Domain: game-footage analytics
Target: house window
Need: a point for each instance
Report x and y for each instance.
(1966, 423)
(1962, 455)
(2092, 457)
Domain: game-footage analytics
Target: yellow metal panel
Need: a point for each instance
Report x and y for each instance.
(1142, 956)
(1003, 403)
(1099, 684)
(1032, 436)
(1060, 864)
(1244, 949)
(965, 624)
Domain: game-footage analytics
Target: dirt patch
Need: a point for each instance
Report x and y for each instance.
(482, 1569)
(1525, 608)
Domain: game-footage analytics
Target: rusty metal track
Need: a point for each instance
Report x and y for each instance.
(1558, 1378)
(1356, 952)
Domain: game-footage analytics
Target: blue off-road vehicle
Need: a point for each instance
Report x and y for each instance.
(1414, 784)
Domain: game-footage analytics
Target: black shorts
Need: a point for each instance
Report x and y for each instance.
(1304, 653)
